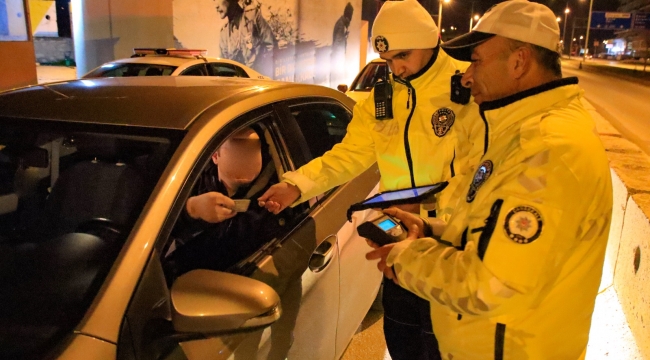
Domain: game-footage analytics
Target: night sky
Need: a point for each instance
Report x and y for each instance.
(457, 13)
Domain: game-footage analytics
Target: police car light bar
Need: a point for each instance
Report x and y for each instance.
(170, 52)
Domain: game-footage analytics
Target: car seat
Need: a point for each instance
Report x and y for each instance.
(103, 185)
(152, 71)
(313, 124)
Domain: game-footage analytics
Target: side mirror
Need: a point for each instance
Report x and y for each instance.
(342, 88)
(205, 301)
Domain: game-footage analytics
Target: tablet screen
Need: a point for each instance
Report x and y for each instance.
(400, 194)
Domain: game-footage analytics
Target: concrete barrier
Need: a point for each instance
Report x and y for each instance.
(627, 262)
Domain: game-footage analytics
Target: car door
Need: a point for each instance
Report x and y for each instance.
(301, 264)
(323, 123)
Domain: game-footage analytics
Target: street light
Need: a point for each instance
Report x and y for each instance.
(471, 21)
(566, 13)
(591, 5)
(440, 12)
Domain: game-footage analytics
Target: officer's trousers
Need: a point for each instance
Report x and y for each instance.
(407, 325)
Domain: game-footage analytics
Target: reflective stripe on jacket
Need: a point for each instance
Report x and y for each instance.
(529, 235)
(406, 148)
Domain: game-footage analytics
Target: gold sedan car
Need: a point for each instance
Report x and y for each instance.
(94, 178)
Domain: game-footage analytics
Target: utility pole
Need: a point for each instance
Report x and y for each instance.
(471, 17)
(566, 13)
(573, 29)
(591, 4)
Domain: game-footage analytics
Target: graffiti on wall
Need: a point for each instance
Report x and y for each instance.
(288, 40)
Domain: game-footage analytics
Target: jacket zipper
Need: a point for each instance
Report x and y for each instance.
(451, 165)
(407, 146)
(487, 128)
(499, 340)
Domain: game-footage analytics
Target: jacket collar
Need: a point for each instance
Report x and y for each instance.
(502, 113)
(438, 61)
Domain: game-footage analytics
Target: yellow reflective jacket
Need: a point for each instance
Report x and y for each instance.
(528, 235)
(408, 150)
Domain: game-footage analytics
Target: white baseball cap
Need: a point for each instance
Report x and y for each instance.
(520, 20)
(403, 25)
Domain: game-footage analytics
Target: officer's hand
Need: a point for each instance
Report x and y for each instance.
(411, 208)
(279, 196)
(381, 253)
(409, 220)
(212, 207)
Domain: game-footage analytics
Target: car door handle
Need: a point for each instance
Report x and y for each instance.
(323, 254)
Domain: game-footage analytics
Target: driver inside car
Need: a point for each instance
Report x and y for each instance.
(210, 233)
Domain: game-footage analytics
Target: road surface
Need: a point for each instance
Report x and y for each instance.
(625, 104)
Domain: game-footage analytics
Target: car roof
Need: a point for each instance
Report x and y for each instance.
(160, 101)
(170, 60)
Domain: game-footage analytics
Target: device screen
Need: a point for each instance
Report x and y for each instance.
(387, 224)
(400, 194)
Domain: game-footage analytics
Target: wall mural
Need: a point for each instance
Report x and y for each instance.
(290, 40)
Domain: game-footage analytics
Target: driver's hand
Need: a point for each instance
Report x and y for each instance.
(212, 207)
(279, 196)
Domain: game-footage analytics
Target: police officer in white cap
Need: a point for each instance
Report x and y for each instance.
(428, 139)
(517, 269)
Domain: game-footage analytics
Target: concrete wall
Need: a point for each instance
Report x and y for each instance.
(17, 61)
(105, 30)
(627, 262)
(53, 49)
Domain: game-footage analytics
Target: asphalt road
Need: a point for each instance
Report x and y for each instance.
(625, 104)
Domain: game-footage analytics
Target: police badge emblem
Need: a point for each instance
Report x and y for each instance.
(442, 120)
(480, 176)
(381, 44)
(523, 224)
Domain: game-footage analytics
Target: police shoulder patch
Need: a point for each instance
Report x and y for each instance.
(442, 120)
(480, 176)
(523, 224)
(381, 44)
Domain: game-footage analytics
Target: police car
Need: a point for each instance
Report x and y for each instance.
(366, 79)
(173, 62)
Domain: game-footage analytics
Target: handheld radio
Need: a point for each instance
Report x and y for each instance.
(383, 97)
(459, 93)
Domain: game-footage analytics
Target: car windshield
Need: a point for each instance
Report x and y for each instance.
(369, 76)
(69, 197)
(131, 69)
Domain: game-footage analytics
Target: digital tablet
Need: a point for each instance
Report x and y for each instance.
(397, 197)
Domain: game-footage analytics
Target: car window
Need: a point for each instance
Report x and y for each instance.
(130, 69)
(228, 70)
(211, 238)
(322, 124)
(369, 76)
(69, 201)
(196, 70)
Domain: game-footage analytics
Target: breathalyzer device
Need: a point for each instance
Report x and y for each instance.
(382, 230)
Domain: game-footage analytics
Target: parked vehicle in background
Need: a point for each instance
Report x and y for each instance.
(93, 181)
(366, 79)
(172, 62)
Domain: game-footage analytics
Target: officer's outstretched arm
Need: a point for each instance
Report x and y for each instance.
(346, 160)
